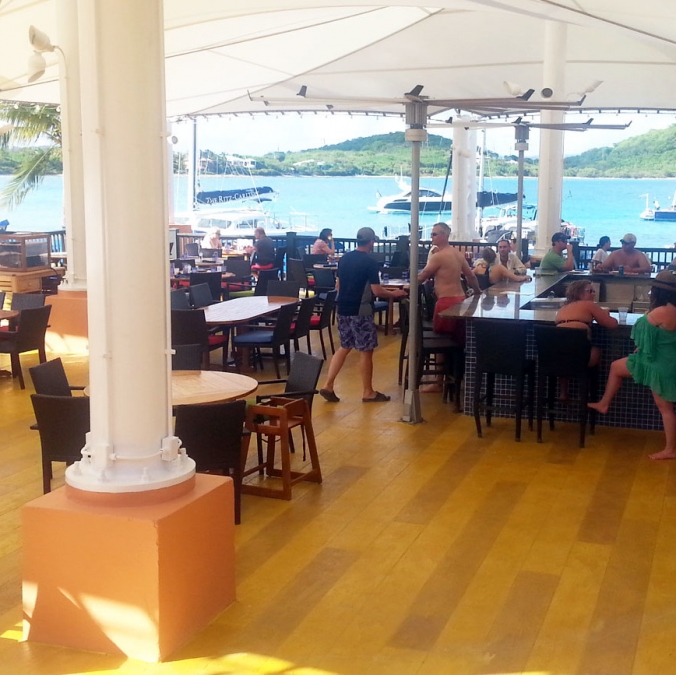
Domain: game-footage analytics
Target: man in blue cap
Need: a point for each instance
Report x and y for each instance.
(358, 283)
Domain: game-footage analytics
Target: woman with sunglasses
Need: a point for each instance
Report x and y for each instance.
(580, 311)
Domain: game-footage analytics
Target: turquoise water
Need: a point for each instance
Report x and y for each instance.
(601, 206)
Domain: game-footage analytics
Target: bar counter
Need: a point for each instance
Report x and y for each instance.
(633, 407)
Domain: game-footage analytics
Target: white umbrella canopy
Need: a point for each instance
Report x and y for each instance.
(222, 56)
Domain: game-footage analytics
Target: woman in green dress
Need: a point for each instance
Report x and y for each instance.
(654, 361)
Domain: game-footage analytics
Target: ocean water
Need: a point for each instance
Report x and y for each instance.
(602, 206)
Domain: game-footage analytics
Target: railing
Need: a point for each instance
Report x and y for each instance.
(385, 250)
(660, 257)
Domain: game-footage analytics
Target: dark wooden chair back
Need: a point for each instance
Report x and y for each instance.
(63, 422)
(187, 357)
(50, 378)
(212, 437)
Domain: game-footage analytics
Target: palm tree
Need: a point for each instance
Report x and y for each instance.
(30, 123)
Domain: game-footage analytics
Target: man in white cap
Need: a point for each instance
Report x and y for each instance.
(358, 283)
(633, 260)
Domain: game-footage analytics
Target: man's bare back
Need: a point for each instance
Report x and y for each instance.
(446, 266)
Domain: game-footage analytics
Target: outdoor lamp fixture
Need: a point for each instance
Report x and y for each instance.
(41, 43)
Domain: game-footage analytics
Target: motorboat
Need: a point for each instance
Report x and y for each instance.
(233, 223)
(658, 213)
(433, 201)
(429, 201)
(503, 225)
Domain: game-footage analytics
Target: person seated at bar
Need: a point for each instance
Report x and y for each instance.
(509, 259)
(553, 260)
(212, 239)
(601, 254)
(630, 258)
(653, 363)
(324, 243)
(487, 265)
(263, 251)
(580, 311)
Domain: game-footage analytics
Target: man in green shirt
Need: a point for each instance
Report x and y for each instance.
(553, 260)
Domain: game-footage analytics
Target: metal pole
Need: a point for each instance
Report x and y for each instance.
(480, 210)
(521, 133)
(416, 117)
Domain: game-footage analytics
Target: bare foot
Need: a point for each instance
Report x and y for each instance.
(431, 389)
(603, 409)
(665, 454)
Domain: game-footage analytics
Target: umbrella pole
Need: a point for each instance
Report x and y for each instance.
(521, 137)
(416, 116)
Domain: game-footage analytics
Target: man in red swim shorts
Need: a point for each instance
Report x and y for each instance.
(445, 266)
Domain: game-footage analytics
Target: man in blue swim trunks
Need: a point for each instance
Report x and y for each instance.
(358, 283)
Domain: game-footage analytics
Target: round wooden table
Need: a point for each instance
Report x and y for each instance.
(207, 386)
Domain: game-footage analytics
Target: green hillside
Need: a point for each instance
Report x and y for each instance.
(651, 155)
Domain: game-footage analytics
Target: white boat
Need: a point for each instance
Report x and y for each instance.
(503, 225)
(658, 213)
(433, 201)
(430, 201)
(236, 212)
(233, 223)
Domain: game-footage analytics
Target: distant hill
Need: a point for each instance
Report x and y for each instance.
(651, 155)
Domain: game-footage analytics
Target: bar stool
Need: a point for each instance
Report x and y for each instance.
(565, 352)
(501, 350)
(276, 420)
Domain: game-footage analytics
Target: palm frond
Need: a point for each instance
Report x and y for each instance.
(27, 177)
(31, 123)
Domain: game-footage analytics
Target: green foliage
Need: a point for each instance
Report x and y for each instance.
(29, 165)
(651, 155)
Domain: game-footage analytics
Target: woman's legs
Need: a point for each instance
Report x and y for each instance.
(666, 409)
(618, 371)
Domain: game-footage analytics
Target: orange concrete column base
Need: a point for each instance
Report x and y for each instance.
(68, 330)
(138, 580)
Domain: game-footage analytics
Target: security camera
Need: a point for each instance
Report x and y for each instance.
(547, 93)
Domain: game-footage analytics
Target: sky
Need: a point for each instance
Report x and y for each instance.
(257, 135)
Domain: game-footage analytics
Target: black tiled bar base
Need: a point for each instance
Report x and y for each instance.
(633, 407)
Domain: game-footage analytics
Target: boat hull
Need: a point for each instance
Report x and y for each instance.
(665, 214)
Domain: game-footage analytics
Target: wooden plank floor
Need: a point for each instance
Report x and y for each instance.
(426, 551)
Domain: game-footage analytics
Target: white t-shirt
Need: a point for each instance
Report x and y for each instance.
(600, 256)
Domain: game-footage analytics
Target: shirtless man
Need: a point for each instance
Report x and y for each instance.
(445, 267)
(633, 260)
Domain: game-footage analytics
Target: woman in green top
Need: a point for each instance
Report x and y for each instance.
(654, 361)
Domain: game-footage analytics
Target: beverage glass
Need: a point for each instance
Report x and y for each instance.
(622, 312)
(384, 276)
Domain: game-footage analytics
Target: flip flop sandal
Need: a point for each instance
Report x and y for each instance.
(329, 396)
(378, 398)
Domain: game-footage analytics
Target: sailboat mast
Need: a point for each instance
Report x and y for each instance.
(192, 168)
(480, 210)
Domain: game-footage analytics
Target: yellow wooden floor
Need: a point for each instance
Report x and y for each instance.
(426, 551)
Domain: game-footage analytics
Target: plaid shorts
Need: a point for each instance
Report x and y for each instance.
(357, 332)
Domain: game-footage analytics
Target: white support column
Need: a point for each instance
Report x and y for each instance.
(71, 136)
(463, 191)
(550, 180)
(130, 447)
